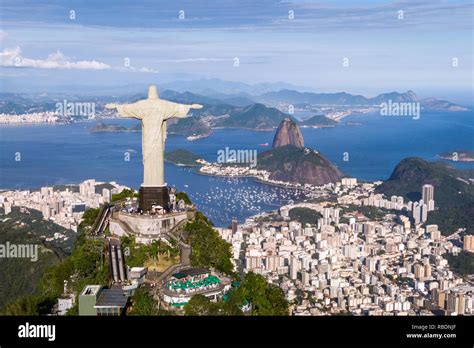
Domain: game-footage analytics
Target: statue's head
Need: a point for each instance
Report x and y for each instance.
(152, 92)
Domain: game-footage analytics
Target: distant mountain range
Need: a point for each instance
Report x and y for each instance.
(259, 116)
(256, 116)
(190, 98)
(223, 94)
(222, 110)
(346, 99)
(316, 99)
(211, 87)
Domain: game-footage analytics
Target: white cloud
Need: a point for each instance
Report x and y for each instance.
(12, 57)
(148, 70)
(192, 60)
(143, 70)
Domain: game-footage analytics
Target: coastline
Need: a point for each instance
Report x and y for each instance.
(255, 178)
(59, 122)
(197, 137)
(450, 159)
(250, 129)
(182, 164)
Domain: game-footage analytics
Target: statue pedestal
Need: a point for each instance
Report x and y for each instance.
(153, 195)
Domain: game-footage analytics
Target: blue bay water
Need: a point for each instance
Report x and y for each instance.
(60, 154)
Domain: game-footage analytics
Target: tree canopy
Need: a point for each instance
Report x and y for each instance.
(263, 298)
(124, 194)
(462, 263)
(85, 265)
(143, 303)
(208, 248)
(184, 197)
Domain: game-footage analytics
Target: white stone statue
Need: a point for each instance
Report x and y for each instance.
(153, 112)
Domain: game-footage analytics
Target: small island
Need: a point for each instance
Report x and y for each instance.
(102, 127)
(183, 158)
(318, 121)
(458, 156)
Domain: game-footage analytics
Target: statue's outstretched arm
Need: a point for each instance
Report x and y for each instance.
(180, 110)
(124, 110)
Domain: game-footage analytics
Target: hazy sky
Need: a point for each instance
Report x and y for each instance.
(42, 45)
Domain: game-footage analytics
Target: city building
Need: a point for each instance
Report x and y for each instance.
(469, 243)
(428, 196)
(95, 300)
(88, 299)
(354, 262)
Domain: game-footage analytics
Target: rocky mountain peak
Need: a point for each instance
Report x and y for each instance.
(288, 133)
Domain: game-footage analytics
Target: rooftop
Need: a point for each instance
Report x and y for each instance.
(190, 272)
(200, 284)
(113, 297)
(91, 290)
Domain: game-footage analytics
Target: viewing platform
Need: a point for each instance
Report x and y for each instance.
(147, 227)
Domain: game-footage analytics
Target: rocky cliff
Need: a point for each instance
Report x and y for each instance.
(288, 133)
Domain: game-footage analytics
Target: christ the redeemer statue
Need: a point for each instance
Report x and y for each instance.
(153, 112)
